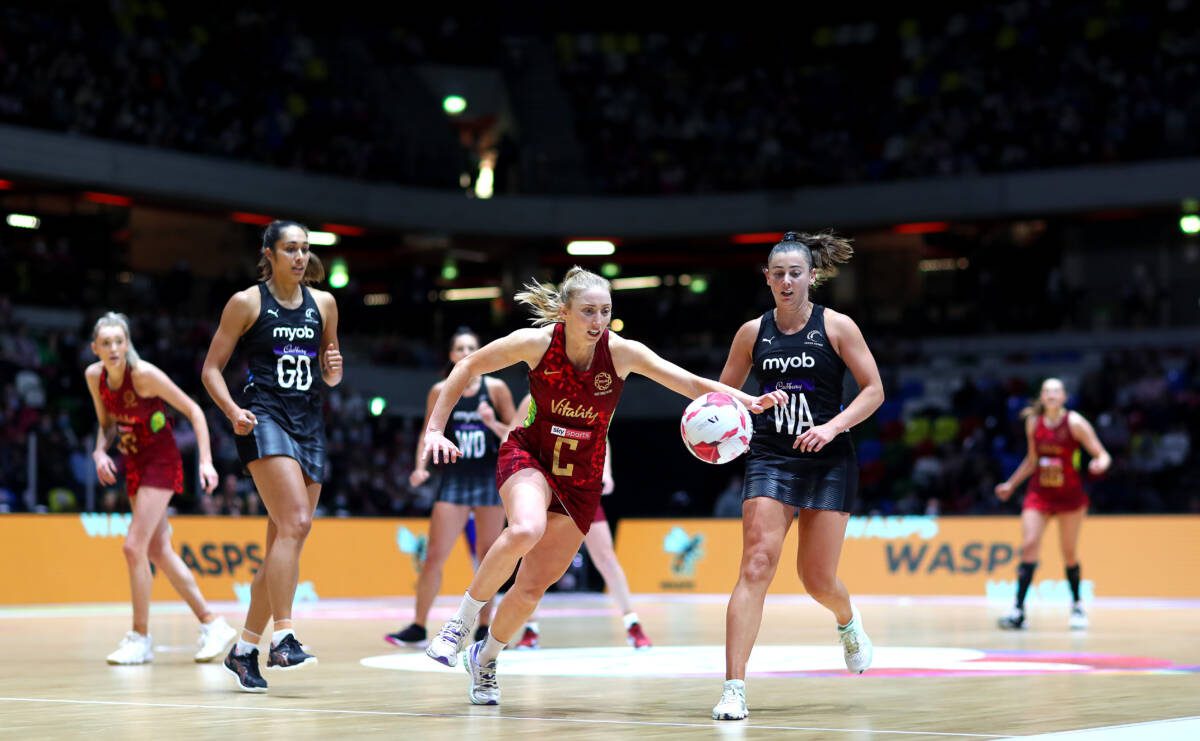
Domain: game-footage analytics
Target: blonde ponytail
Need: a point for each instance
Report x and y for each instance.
(115, 319)
(547, 302)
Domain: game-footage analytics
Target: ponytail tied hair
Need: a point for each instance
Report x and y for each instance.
(547, 301)
(824, 250)
(313, 273)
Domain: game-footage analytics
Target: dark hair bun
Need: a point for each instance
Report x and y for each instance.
(791, 237)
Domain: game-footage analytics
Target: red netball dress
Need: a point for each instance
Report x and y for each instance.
(1055, 486)
(564, 436)
(151, 456)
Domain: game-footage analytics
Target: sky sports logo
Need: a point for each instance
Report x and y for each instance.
(803, 360)
(569, 433)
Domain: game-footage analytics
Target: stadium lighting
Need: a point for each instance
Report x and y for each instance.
(590, 247)
(454, 104)
(1189, 224)
(24, 221)
(339, 274)
(449, 269)
(378, 404)
(486, 180)
(470, 294)
(610, 270)
(322, 239)
(627, 284)
(699, 284)
(618, 325)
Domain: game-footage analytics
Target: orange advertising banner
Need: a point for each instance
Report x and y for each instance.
(1139, 556)
(78, 558)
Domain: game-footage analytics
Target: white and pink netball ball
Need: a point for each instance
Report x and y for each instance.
(716, 427)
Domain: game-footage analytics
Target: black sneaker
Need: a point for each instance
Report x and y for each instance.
(288, 654)
(1014, 620)
(245, 670)
(481, 633)
(414, 636)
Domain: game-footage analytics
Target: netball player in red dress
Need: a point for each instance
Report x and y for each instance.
(1054, 435)
(549, 472)
(128, 394)
(599, 543)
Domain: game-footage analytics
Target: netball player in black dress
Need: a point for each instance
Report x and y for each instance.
(288, 333)
(800, 459)
(478, 422)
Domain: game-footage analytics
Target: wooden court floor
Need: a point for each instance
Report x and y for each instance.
(944, 671)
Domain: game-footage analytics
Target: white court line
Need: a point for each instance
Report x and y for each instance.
(1159, 730)
(476, 716)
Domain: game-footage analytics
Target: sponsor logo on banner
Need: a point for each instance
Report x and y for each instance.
(1046, 591)
(102, 525)
(889, 528)
(686, 551)
(221, 559)
(414, 545)
(305, 593)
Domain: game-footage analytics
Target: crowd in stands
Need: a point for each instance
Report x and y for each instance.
(995, 87)
(1008, 86)
(921, 453)
(938, 91)
(938, 455)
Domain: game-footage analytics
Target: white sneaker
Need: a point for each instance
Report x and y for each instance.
(484, 690)
(446, 645)
(135, 648)
(856, 645)
(215, 639)
(733, 701)
(1079, 618)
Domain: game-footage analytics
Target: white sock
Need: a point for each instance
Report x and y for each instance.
(630, 618)
(491, 649)
(738, 683)
(279, 635)
(469, 609)
(241, 648)
(533, 625)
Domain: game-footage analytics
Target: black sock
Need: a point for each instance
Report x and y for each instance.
(1024, 579)
(1073, 580)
